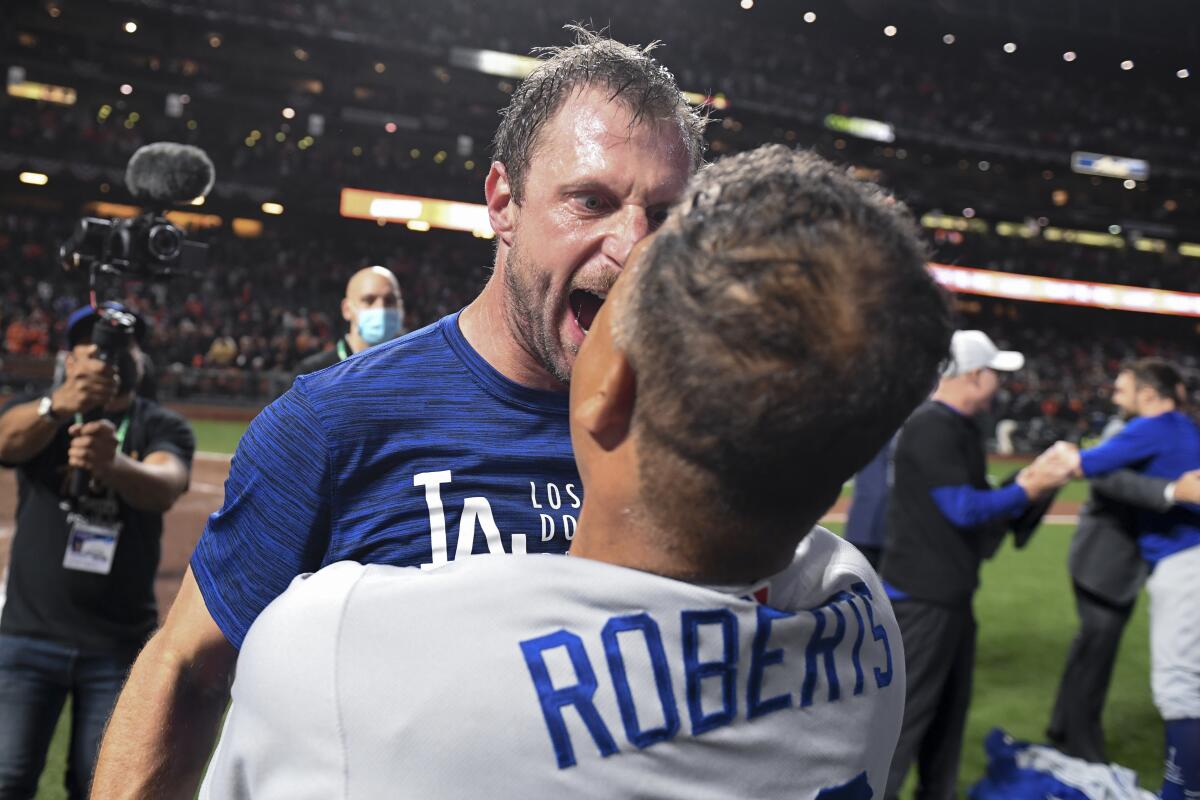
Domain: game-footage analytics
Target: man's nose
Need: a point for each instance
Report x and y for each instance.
(630, 226)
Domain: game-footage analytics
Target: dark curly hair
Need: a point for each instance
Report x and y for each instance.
(782, 325)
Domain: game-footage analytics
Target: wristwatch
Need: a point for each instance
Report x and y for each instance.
(46, 410)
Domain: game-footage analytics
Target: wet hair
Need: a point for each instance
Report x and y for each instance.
(626, 72)
(1161, 376)
(782, 325)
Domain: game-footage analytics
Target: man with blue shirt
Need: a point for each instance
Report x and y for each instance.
(1163, 442)
(450, 441)
(943, 520)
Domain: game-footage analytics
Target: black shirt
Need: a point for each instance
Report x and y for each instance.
(927, 557)
(93, 612)
(325, 358)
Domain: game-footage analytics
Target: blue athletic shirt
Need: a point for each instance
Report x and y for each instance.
(1164, 446)
(411, 453)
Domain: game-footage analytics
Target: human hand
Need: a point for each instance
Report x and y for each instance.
(1050, 470)
(1187, 487)
(90, 383)
(93, 447)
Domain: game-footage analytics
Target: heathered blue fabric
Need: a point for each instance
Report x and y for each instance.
(326, 472)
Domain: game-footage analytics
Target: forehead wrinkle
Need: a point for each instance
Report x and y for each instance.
(582, 139)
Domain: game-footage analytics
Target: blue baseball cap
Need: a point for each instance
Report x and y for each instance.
(79, 324)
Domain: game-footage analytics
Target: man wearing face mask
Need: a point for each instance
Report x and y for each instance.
(80, 594)
(374, 308)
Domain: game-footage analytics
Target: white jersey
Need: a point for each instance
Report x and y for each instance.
(545, 676)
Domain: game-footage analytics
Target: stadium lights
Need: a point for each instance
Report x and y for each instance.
(288, 113)
(1183, 73)
(42, 92)
(1114, 229)
(747, 5)
(390, 127)
(1010, 47)
(126, 89)
(275, 209)
(948, 38)
(197, 201)
(889, 31)
(214, 40)
(1130, 183)
(1069, 56)
(810, 17)
(34, 178)
(421, 225)
(1127, 65)
(380, 67)
(131, 27)
(1012, 286)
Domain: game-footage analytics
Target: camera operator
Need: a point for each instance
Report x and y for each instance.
(80, 599)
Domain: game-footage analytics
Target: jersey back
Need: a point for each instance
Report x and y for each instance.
(552, 677)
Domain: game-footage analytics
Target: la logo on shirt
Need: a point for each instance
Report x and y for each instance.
(557, 509)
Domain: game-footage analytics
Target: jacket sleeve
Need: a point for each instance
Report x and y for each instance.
(1135, 489)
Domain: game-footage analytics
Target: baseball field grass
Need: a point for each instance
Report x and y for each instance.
(1026, 621)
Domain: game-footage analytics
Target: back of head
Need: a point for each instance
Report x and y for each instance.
(782, 325)
(1160, 376)
(628, 73)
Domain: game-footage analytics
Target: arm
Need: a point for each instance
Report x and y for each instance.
(24, 433)
(968, 507)
(161, 477)
(273, 526)
(166, 718)
(1134, 489)
(150, 485)
(1134, 443)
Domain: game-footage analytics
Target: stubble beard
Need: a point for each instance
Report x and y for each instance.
(526, 289)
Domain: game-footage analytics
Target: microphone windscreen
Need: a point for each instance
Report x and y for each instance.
(167, 172)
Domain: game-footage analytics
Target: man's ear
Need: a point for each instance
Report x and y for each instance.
(500, 204)
(347, 314)
(607, 414)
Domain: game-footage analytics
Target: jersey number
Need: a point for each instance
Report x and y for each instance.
(857, 789)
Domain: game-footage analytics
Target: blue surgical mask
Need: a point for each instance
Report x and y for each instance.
(377, 325)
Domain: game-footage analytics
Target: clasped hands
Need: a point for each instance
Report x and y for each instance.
(1051, 470)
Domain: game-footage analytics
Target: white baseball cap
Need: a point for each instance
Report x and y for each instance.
(972, 350)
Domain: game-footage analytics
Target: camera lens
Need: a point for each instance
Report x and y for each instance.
(164, 241)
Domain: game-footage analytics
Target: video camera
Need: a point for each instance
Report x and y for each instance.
(147, 246)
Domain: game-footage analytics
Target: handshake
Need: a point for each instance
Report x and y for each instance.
(1051, 470)
(1060, 463)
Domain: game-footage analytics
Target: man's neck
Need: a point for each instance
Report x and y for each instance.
(616, 533)
(1155, 408)
(484, 324)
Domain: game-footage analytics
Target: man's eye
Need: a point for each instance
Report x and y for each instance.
(657, 217)
(591, 202)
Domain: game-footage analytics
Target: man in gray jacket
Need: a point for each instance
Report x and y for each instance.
(1107, 572)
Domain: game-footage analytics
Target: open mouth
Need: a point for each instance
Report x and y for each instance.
(586, 305)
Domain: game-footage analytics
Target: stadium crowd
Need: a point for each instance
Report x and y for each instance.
(265, 304)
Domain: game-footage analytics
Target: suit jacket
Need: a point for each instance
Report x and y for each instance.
(1104, 557)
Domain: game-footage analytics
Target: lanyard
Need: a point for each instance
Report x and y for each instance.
(121, 431)
(342, 351)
